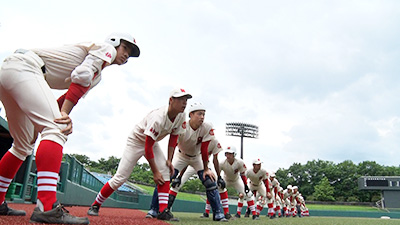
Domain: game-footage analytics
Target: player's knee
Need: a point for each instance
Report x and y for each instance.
(209, 184)
(21, 153)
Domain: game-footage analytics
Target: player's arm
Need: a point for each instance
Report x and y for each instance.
(173, 140)
(244, 179)
(216, 164)
(149, 155)
(204, 157)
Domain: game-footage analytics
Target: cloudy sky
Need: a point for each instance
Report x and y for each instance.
(319, 78)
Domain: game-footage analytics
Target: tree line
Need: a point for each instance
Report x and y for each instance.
(317, 180)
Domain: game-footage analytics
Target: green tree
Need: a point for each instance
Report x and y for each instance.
(324, 191)
(142, 173)
(345, 182)
(83, 159)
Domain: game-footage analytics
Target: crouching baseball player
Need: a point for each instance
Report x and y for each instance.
(286, 200)
(272, 196)
(234, 176)
(143, 141)
(258, 180)
(26, 80)
(193, 147)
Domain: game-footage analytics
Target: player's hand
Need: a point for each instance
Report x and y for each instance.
(208, 172)
(221, 183)
(65, 119)
(158, 178)
(171, 167)
(269, 196)
(176, 182)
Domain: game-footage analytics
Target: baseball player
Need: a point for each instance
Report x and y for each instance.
(26, 80)
(193, 147)
(303, 207)
(272, 197)
(278, 201)
(258, 180)
(143, 141)
(294, 200)
(285, 200)
(213, 149)
(234, 170)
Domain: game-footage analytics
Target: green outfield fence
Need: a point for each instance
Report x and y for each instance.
(76, 186)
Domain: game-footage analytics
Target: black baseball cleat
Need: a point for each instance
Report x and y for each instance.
(247, 214)
(166, 215)
(57, 215)
(7, 211)
(237, 215)
(205, 215)
(151, 214)
(255, 217)
(93, 210)
(228, 216)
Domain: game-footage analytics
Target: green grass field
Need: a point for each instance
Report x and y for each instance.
(194, 219)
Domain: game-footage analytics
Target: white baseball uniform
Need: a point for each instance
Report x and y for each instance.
(189, 146)
(257, 182)
(26, 91)
(213, 148)
(272, 189)
(157, 125)
(232, 174)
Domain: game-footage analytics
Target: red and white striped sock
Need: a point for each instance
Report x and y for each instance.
(9, 166)
(48, 161)
(239, 208)
(252, 206)
(163, 191)
(104, 193)
(225, 201)
(208, 207)
(271, 211)
(259, 209)
(278, 209)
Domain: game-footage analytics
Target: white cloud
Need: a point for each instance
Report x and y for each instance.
(320, 79)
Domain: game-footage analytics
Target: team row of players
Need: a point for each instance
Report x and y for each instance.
(196, 143)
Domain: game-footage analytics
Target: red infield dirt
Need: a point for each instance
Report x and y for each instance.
(108, 216)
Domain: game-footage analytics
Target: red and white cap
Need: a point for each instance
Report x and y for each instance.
(179, 92)
(257, 161)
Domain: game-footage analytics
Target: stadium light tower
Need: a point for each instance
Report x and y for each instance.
(241, 130)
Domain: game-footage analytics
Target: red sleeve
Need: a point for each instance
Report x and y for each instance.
(173, 140)
(148, 148)
(244, 179)
(75, 92)
(204, 150)
(60, 100)
(266, 182)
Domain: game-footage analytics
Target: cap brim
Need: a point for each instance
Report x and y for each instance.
(135, 51)
(181, 95)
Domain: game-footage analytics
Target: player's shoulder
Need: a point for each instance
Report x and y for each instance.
(104, 51)
(207, 125)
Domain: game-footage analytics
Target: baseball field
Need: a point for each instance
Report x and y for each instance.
(194, 219)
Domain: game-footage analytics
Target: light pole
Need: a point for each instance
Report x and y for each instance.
(241, 130)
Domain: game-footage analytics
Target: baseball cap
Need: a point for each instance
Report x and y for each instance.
(257, 161)
(272, 174)
(231, 149)
(179, 92)
(196, 107)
